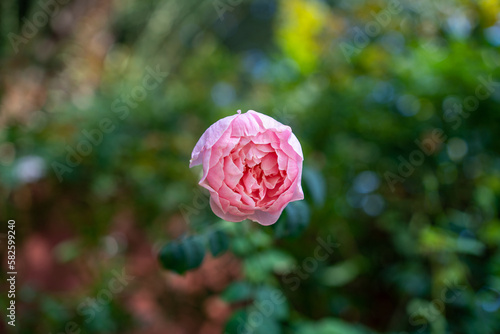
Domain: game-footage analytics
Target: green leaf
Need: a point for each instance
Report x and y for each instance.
(330, 326)
(241, 246)
(315, 183)
(252, 321)
(258, 266)
(470, 246)
(67, 250)
(195, 252)
(236, 323)
(274, 299)
(343, 272)
(218, 242)
(261, 323)
(297, 219)
(237, 291)
(260, 239)
(184, 255)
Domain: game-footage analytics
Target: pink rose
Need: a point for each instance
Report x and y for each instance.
(252, 166)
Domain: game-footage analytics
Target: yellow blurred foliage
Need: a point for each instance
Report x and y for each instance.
(490, 9)
(299, 26)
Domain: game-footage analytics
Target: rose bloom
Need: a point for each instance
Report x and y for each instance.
(252, 166)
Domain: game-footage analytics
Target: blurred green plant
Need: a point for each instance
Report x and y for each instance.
(356, 120)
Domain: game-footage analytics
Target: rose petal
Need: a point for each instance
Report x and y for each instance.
(215, 176)
(245, 126)
(265, 218)
(250, 183)
(209, 138)
(252, 166)
(269, 164)
(221, 214)
(282, 159)
(267, 122)
(271, 181)
(232, 174)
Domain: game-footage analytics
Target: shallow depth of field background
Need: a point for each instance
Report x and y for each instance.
(416, 233)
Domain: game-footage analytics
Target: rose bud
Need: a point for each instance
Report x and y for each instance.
(252, 166)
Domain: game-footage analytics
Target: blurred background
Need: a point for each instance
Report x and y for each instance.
(395, 104)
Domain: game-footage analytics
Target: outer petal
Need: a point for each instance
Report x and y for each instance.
(215, 177)
(265, 218)
(299, 193)
(221, 214)
(294, 142)
(209, 138)
(268, 122)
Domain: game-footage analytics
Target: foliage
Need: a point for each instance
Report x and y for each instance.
(399, 231)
